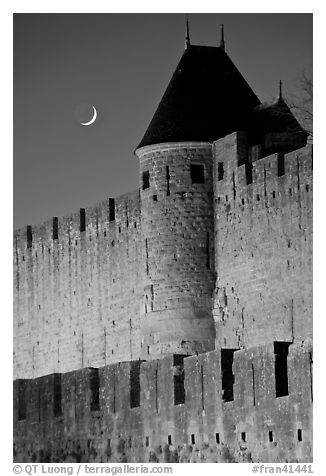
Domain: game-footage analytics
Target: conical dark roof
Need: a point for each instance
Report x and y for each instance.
(206, 99)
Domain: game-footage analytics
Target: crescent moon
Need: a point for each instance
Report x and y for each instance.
(92, 120)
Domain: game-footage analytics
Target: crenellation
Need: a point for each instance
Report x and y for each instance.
(157, 418)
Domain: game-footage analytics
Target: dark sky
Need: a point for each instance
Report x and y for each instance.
(122, 64)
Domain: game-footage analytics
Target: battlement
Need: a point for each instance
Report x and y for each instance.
(105, 217)
(198, 408)
(236, 167)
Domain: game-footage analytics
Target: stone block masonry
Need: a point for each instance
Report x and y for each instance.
(134, 277)
(135, 412)
(178, 248)
(263, 245)
(77, 289)
(171, 324)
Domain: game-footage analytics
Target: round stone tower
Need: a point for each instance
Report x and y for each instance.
(207, 98)
(178, 243)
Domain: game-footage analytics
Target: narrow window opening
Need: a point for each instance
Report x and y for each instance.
(217, 438)
(169, 439)
(299, 435)
(225, 298)
(311, 369)
(233, 186)
(227, 374)
(179, 376)
(145, 179)
(155, 198)
(270, 436)
(147, 441)
(280, 164)
(265, 187)
(167, 180)
(55, 228)
(258, 197)
(146, 248)
(248, 167)
(307, 188)
(111, 209)
(253, 384)
(220, 171)
(135, 384)
(29, 236)
(82, 219)
(281, 368)
(290, 191)
(95, 389)
(274, 194)
(22, 404)
(193, 439)
(57, 397)
(243, 436)
(197, 173)
(242, 201)
(152, 297)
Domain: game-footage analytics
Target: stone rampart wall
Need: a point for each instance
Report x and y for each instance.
(263, 245)
(76, 289)
(171, 410)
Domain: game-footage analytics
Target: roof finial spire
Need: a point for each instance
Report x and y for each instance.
(222, 42)
(280, 96)
(187, 42)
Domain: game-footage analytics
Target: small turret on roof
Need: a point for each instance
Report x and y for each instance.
(273, 123)
(275, 116)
